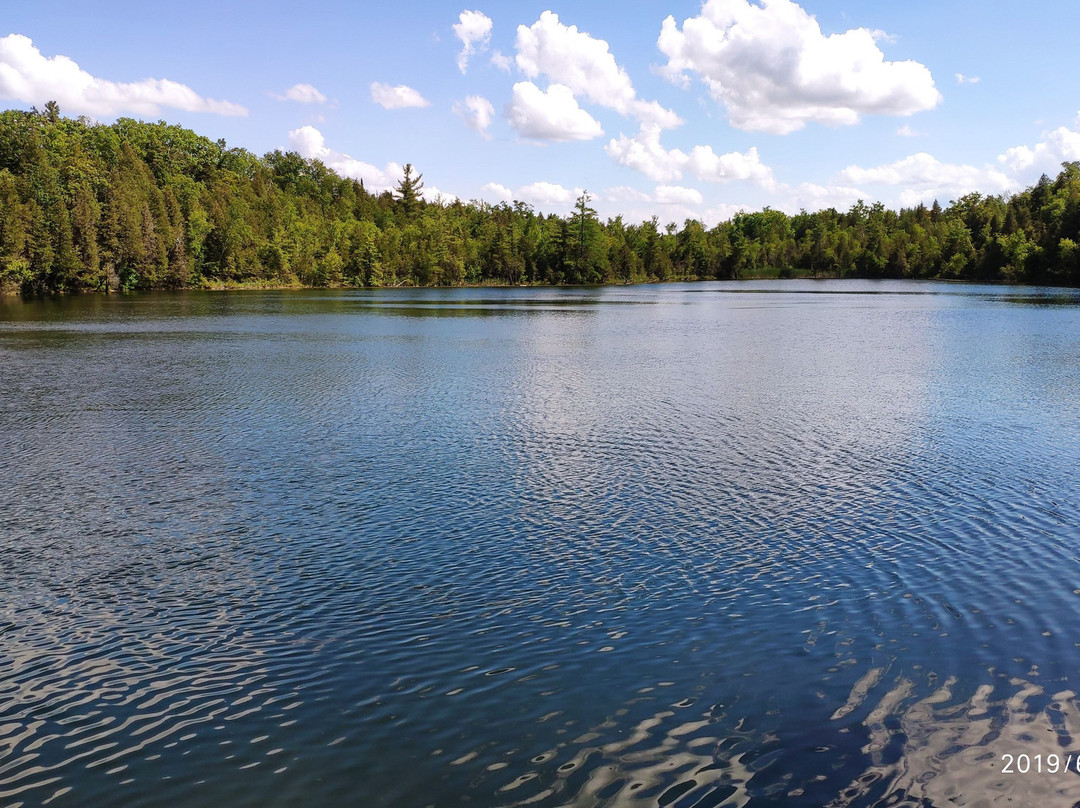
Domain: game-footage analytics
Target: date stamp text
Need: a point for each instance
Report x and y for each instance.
(1041, 764)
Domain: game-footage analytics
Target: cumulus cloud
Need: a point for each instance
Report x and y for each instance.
(907, 131)
(477, 112)
(473, 28)
(302, 94)
(706, 165)
(724, 212)
(924, 178)
(921, 177)
(501, 61)
(494, 190)
(541, 193)
(661, 195)
(28, 76)
(646, 154)
(920, 168)
(550, 115)
(962, 79)
(624, 193)
(438, 196)
(774, 70)
(678, 195)
(399, 97)
(310, 143)
(548, 193)
(812, 196)
(666, 201)
(1046, 156)
(676, 202)
(586, 66)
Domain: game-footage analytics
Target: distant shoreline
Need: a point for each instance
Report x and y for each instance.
(10, 295)
(146, 206)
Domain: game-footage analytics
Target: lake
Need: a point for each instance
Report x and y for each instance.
(719, 544)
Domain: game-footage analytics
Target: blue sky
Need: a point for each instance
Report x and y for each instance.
(673, 109)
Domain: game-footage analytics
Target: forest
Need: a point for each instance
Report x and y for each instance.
(86, 206)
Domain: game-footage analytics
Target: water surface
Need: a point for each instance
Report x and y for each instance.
(777, 543)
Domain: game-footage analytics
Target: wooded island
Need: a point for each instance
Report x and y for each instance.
(133, 205)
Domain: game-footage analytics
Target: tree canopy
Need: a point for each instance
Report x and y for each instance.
(135, 205)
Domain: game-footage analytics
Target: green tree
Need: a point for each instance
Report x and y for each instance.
(409, 191)
(152, 205)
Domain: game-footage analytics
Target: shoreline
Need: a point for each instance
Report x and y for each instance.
(10, 295)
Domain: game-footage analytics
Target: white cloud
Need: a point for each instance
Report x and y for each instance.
(547, 193)
(811, 196)
(28, 76)
(917, 178)
(496, 191)
(551, 115)
(723, 212)
(310, 143)
(920, 168)
(673, 214)
(586, 66)
(667, 202)
(501, 61)
(575, 59)
(302, 94)
(907, 131)
(661, 195)
(542, 193)
(477, 112)
(399, 97)
(678, 195)
(711, 167)
(624, 193)
(646, 154)
(774, 70)
(474, 30)
(962, 79)
(433, 194)
(1046, 156)
(676, 202)
(921, 178)
(924, 178)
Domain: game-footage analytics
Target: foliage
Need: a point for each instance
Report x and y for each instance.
(134, 205)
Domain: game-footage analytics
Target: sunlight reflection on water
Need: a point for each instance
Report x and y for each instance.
(782, 543)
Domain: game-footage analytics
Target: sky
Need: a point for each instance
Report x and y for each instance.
(670, 109)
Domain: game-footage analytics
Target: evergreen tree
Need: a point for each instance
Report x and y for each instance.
(135, 205)
(409, 190)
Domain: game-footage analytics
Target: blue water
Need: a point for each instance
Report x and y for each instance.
(776, 543)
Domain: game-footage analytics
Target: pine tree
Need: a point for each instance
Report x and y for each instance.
(409, 190)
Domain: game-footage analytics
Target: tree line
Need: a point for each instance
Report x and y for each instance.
(134, 205)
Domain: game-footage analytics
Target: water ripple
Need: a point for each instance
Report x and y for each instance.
(798, 544)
